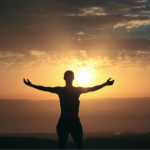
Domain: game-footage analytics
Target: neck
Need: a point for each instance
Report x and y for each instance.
(68, 84)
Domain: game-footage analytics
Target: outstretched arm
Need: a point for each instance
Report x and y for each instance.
(91, 89)
(48, 89)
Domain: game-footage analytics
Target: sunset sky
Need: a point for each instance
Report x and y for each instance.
(99, 39)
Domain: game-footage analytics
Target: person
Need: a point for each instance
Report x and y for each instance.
(69, 121)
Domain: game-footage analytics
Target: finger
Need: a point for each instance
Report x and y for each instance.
(109, 78)
(28, 80)
(25, 81)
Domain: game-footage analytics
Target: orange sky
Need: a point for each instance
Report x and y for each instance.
(129, 82)
(40, 40)
(43, 39)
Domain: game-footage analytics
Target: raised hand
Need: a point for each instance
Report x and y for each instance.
(110, 82)
(27, 82)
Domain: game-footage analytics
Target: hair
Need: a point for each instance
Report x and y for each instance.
(69, 74)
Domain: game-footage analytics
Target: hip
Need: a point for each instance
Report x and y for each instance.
(69, 122)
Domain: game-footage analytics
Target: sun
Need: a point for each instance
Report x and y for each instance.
(83, 77)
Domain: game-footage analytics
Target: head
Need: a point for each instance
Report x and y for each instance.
(68, 76)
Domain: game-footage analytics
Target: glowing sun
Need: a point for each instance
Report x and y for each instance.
(83, 76)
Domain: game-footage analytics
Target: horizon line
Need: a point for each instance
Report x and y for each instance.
(79, 99)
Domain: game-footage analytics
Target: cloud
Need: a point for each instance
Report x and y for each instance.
(134, 24)
(36, 33)
(86, 54)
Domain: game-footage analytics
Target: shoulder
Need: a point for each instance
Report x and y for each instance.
(84, 89)
(58, 88)
(80, 89)
(54, 89)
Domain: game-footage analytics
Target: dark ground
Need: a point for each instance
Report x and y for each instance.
(122, 141)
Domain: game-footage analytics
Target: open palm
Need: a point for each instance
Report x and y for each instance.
(110, 82)
(27, 82)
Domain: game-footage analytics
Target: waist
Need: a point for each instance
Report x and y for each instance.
(69, 121)
(69, 114)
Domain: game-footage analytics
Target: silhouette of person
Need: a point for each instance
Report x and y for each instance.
(69, 121)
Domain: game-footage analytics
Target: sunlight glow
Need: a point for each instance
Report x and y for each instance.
(83, 76)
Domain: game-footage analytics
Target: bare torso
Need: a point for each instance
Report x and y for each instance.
(69, 103)
(69, 99)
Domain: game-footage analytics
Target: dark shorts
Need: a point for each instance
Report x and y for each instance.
(76, 133)
(69, 123)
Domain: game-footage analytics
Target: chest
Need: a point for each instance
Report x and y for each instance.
(69, 94)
